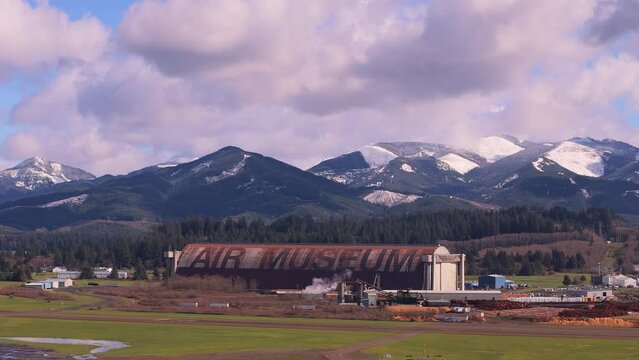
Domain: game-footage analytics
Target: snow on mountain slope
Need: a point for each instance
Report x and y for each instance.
(407, 168)
(37, 172)
(389, 198)
(493, 148)
(580, 159)
(538, 164)
(75, 200)
(376, 156)
(458, 163)
(167, 165)
(228, 173)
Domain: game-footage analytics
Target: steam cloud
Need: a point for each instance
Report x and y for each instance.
(325, 285)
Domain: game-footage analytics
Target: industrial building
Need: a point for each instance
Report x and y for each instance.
(592, 294)
(431, 268)
(618, 280)
(492, 281)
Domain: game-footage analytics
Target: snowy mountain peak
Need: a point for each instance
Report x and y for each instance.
(35, 161)
(376, 156)
(390, 198)
(580, 159)
(37, 172)
(458, 163)
(493, 148)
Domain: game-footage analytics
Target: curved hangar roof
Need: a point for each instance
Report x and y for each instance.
(203, 257)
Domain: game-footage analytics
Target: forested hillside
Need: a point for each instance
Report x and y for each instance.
(455, 227)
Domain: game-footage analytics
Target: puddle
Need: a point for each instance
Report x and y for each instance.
(101, 345)
(24, 352)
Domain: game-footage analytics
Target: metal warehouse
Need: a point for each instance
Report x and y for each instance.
(295, 266)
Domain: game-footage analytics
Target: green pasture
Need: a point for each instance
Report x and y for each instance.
(485, 347)
(539, 281)
(16, 303)
(171, 339)
(10, 283)
(241, 318)
(108, 282)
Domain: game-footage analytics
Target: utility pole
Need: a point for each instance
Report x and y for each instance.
(600, 233)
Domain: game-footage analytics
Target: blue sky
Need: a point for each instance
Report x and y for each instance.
(108, 11)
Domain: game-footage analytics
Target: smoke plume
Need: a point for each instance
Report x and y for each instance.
(325, 285)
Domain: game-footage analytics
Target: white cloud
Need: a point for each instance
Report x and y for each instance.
(304, 80)
(33, 37)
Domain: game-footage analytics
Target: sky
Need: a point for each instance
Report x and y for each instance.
(113, 86)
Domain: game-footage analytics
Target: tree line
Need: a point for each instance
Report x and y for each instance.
(129, 250)
(530, 263)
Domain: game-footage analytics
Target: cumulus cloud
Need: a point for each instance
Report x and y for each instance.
(462, 47)
(614, 19)
(38, 36)
(305, 80)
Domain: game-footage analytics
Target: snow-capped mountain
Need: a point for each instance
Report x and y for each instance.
(228, 182)
(493, 148)
(363, 165)
(496, 171)
(501, 170)
(35, 174)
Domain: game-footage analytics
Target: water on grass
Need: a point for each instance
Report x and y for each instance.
(101, 345)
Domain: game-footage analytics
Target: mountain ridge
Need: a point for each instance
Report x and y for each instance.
(376, 179)
(34, 174)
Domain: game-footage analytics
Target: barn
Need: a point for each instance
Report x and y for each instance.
(295, 266)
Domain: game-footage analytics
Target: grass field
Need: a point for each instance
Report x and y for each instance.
(480, 347)
(107, 282)
(248, 319)
(9, 283)
(24, 304)
(539, 281)
(170, 339)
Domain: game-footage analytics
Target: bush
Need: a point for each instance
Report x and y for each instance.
(207, 283)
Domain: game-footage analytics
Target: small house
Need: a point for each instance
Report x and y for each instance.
(59, 283)
(103, 274)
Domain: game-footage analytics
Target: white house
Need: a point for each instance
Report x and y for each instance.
(58, 269)
(105, 274)
(102, 268)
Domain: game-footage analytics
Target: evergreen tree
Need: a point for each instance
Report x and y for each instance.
(156, 273)
(567, 281)
(86, 272)
(114, 273)
(140, 272)
(21, 274)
